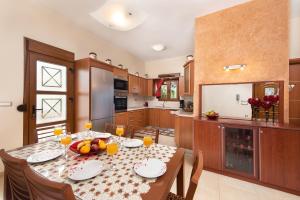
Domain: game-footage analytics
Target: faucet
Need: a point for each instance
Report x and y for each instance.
(164, 104)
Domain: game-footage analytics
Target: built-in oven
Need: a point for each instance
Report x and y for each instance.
(120, 85)
(120, 103)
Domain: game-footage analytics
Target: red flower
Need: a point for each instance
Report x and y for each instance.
(266, 105)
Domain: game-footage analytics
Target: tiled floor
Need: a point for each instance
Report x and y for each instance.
(218, 187)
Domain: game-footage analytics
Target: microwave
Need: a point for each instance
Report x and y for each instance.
(120, 85)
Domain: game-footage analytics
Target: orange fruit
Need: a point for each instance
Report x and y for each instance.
(85, 149)
(102, 144)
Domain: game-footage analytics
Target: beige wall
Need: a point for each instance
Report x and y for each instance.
(295, 37)
(22, 18)
(165, 66)
(255, 33)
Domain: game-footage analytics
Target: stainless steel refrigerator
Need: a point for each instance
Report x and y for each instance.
(102, 98)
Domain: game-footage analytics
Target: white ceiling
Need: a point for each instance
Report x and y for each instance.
(170, 22)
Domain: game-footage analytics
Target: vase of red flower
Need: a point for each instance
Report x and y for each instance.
(273, 101)
(255, 104)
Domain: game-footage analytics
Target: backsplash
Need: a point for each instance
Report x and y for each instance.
(154, 102)
(135, 101)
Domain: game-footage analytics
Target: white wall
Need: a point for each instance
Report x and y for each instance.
(295, 37)
(24, 18)
(165, 66)
(222, 99)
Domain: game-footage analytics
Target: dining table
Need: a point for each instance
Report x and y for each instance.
(113, 183)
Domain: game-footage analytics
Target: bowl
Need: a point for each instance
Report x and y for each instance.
(212, 117)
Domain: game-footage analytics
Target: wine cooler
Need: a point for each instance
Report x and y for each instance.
(240, 151)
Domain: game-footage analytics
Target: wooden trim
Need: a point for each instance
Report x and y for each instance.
(294, 61)
(89, 62)
(48, 50)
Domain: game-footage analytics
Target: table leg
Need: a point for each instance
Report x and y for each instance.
(180, 181)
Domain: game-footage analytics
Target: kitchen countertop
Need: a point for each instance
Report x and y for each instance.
(181, 113)
(158, 107)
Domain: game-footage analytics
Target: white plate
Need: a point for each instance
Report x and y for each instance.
(85, 170)
(44, 156)
(132, 143)
(102, 135)
(151, 168)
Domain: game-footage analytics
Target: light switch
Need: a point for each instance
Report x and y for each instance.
(5, 103)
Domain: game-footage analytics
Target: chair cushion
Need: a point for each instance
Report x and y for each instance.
(172, 196)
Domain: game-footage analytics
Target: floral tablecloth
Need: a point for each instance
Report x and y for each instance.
(116, 183)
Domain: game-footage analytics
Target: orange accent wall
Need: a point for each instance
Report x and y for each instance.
(254, 33)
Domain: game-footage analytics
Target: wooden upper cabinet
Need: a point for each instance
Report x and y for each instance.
(188, 88)
(133, 84)
(181, 86)
(120, 73)
(208, 139)
(279, 157)
(150, 87)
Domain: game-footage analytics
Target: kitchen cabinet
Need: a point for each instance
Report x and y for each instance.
(188, 89)
(279, 157)
(166, 119)
(121, 118)
(184, 132)
(154, 117)
(120, 73)
(136, 119)
(208, 139)
(133, 84)
(150, 87)
(181, 86)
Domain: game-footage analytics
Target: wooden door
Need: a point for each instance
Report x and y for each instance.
(48, 91)
(279, 157)
(208, 138)
(294, 92)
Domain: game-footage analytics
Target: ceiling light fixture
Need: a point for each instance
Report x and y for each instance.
(158, 47)
(119, 15)
(235, 67)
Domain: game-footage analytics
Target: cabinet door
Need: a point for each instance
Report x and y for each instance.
(181, 86)
(121, 119)
(279, 157)
(177, 130)
(120, 73)
(207, 138)
(187, 80)
(154, 117)
(186, 132)
(150, 87)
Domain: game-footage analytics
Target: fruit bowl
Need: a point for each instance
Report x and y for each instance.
(91, 147)
(212, 115)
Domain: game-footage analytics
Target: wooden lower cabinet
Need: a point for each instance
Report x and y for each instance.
(280, 157)
(208, 139)
(121, 118)
(154, 117)
(184, 132)
(136, 119)
(166, 119)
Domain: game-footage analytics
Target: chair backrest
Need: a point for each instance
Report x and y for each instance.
(196, 173)
(140, 133)
(111, 128)
(42, 188)
(14, 181)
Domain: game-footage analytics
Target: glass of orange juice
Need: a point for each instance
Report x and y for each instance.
(120, 131)
(57, 131)
(65, 140)
(88, 127)
(111, 150)
(147, 142)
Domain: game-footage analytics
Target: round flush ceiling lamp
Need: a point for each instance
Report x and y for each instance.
(121, 15)
(158, 47)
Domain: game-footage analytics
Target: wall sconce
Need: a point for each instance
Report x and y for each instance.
(234, 67)
(291, 87)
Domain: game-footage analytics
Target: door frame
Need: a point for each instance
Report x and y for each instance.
(33, 46)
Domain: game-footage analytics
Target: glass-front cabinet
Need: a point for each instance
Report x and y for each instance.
(240, 150)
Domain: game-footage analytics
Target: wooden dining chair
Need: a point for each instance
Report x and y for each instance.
(111, 128)
(15, 187)
(42, 188)
(196, 173)
(141, 133)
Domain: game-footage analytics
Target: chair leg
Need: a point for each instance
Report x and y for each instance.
(7, 190)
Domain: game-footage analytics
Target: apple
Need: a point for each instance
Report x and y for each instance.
(94, 147)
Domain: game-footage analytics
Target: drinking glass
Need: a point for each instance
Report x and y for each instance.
(120, 131)
(111, 150)
(88, 127)
(147, 143)
(57, 131)
(65, 140)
